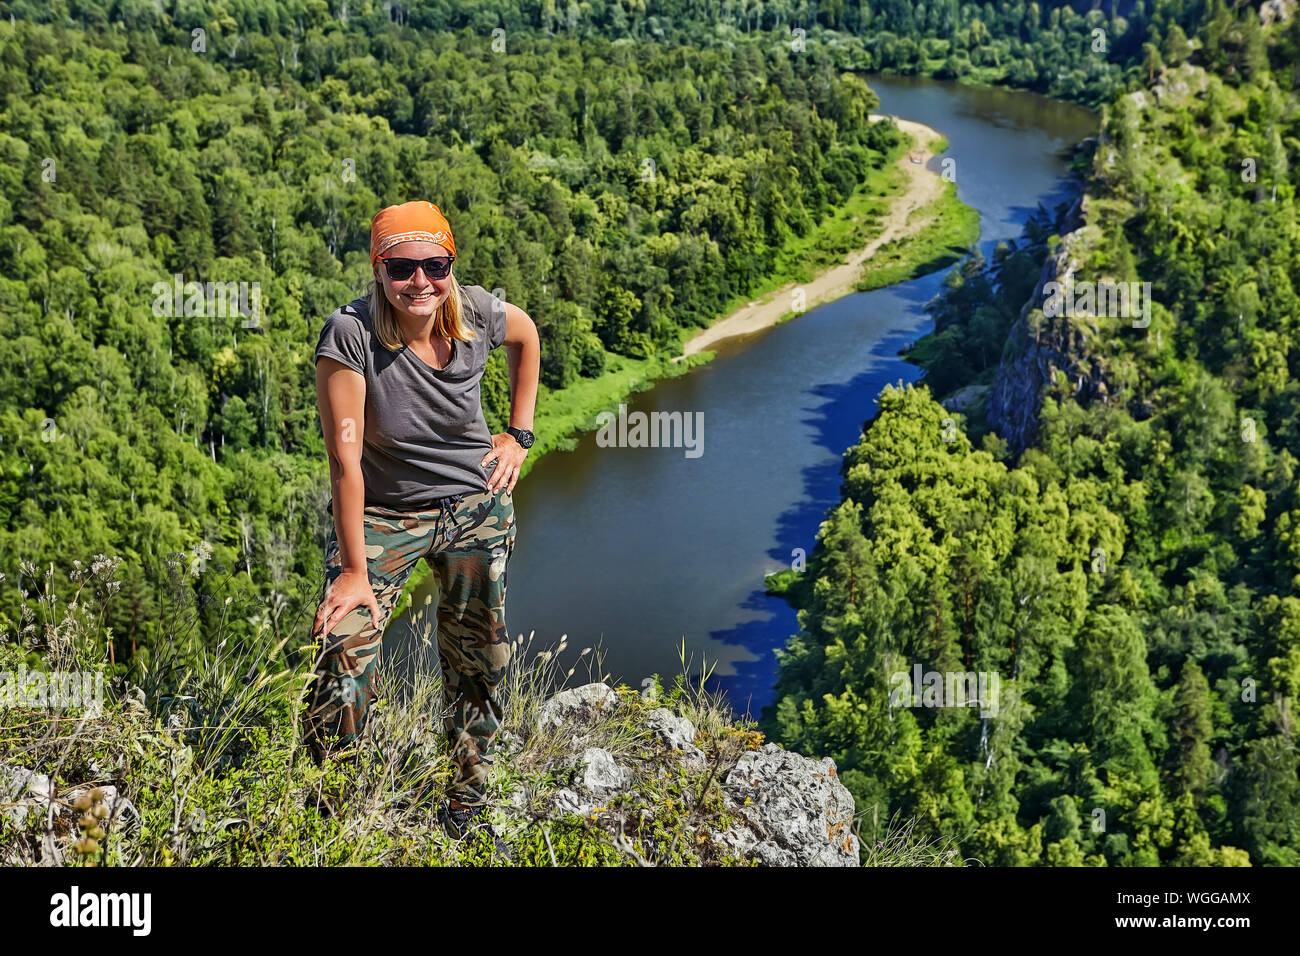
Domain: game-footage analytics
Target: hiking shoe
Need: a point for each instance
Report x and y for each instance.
(460, 821)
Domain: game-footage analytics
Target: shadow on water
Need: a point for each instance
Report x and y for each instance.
(839, 414)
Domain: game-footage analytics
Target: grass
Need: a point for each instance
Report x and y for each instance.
(899, 843)
(207, 746)
(951, 228)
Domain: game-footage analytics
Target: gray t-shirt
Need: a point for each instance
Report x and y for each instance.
(425, 433)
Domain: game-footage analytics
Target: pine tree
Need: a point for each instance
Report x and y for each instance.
(1176, 48)
(1190, 763)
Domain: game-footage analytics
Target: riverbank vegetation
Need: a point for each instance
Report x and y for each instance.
(853, 224)
(946, 230)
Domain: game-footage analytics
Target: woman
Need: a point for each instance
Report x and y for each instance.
(414, 473)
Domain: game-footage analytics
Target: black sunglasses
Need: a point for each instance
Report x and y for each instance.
(435, 267)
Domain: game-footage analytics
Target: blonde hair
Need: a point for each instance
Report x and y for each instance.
(449, 319)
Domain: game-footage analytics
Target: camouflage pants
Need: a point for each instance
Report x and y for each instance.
(467, 543)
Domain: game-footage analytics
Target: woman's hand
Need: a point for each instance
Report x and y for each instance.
(509, 455)
(351, 589)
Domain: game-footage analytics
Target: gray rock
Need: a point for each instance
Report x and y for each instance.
(676, 732)
(508, 744)
(742, 842)
(679, 734)
(1275, 10)
(25, 798)
(582, 704)
(598, 774)
(595, 774)
(798, 813)
(967, 399)
(567, 801)
(21, 790)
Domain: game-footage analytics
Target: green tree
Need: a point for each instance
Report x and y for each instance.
(1190, 765)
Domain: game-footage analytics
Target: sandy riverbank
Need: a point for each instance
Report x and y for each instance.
(924, 188)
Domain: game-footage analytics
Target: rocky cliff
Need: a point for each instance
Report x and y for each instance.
(785, 809)
(1039, 347)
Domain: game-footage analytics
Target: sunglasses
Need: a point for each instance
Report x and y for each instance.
(435, 267)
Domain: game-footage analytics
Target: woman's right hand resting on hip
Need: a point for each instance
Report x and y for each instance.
(350, 590)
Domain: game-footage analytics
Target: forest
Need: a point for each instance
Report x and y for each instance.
(620, 195)
(1129, 569)
(623, 171)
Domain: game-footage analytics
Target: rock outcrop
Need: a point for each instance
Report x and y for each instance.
(1058, 343)
(48, 818)
(787, 809)
(796, 811)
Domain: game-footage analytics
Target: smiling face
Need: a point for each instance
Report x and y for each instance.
(419, 296)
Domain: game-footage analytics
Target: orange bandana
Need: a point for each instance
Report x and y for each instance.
(416, 220)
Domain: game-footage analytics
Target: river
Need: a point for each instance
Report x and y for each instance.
(638, 549)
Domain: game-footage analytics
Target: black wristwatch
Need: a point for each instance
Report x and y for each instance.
(523, 436)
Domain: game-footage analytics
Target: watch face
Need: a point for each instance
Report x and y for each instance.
(525, 438)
